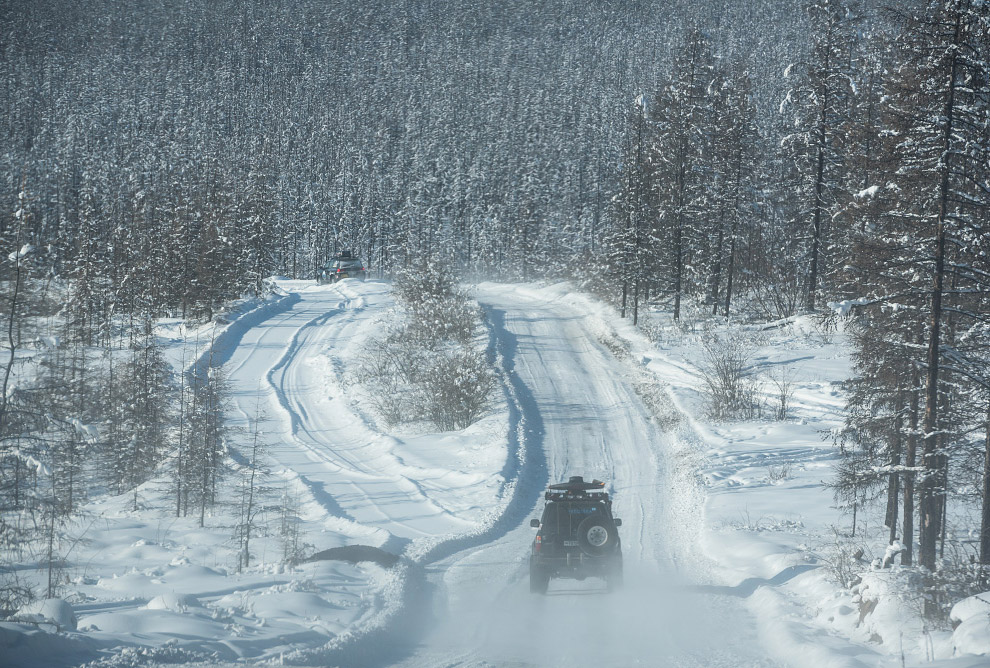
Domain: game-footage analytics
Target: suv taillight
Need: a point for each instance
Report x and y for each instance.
(538, 544)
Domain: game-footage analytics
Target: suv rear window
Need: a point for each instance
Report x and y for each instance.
(564, 517)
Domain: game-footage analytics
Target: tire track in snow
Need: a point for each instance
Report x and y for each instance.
(526, 476)
(278, 389)
(266, 322)
(220, 350)
(295, 415)
(358, 468)
(317, 489)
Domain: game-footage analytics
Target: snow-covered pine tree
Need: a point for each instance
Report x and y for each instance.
(818, 105)
(938, 106)
(680, 122)
(735, 198)
(918, 258)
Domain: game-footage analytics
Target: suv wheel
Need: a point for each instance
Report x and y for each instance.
(539, 578)
(596, 535)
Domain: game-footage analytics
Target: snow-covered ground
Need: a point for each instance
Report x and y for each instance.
(728, 535)
(768, 532)
(164, 588)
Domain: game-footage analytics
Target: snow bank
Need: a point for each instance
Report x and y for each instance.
(173, 602)
(971, 618)
(54, 611)
(27, 646)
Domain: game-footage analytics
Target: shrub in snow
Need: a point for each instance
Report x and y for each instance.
(53, 611)
(728, 379)
(778, 293)
(778, 472)
(957, 578)
(427, 366)
(450, 385)
(783, 391)
(437, 309)
(425, 280)
(173, 602)
(971, 619)
(390, 368)
(435, 320)
(456, 388)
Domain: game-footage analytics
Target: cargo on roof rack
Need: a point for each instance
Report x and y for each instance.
(576, 483)
(576, 486)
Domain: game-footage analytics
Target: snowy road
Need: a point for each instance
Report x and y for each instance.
(580, 415)
(570, 408)
(288, 371)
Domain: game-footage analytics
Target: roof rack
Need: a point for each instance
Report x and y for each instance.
(576, 486)
(576, 483)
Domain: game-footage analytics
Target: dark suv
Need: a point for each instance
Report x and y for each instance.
(577, 536)
(344, 265)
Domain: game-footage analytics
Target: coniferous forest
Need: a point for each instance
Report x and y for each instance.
(737, 159)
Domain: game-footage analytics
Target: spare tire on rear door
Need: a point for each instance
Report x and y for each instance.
(596, 535)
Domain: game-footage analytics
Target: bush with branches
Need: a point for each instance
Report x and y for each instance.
(728, 378)
(427, 366)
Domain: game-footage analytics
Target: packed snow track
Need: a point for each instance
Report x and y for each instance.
(571, 408)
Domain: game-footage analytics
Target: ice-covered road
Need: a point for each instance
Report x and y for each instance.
(572, 409)
(579, 413)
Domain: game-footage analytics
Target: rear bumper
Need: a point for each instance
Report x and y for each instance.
(578, 565)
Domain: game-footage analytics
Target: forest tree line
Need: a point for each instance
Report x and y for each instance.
(871, 198)
(737, 159)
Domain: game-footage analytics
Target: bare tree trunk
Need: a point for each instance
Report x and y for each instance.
(910, 461)
(729, 269)
(817, 223)
(249, 511)
(893, 483)
(678, 232)
(180, 455)
(985, 514)
(931, 497)
(717, 269)
(51, 543)
(636, 302)
(11, 339)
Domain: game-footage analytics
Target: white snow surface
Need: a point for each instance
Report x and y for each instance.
(726, 527)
